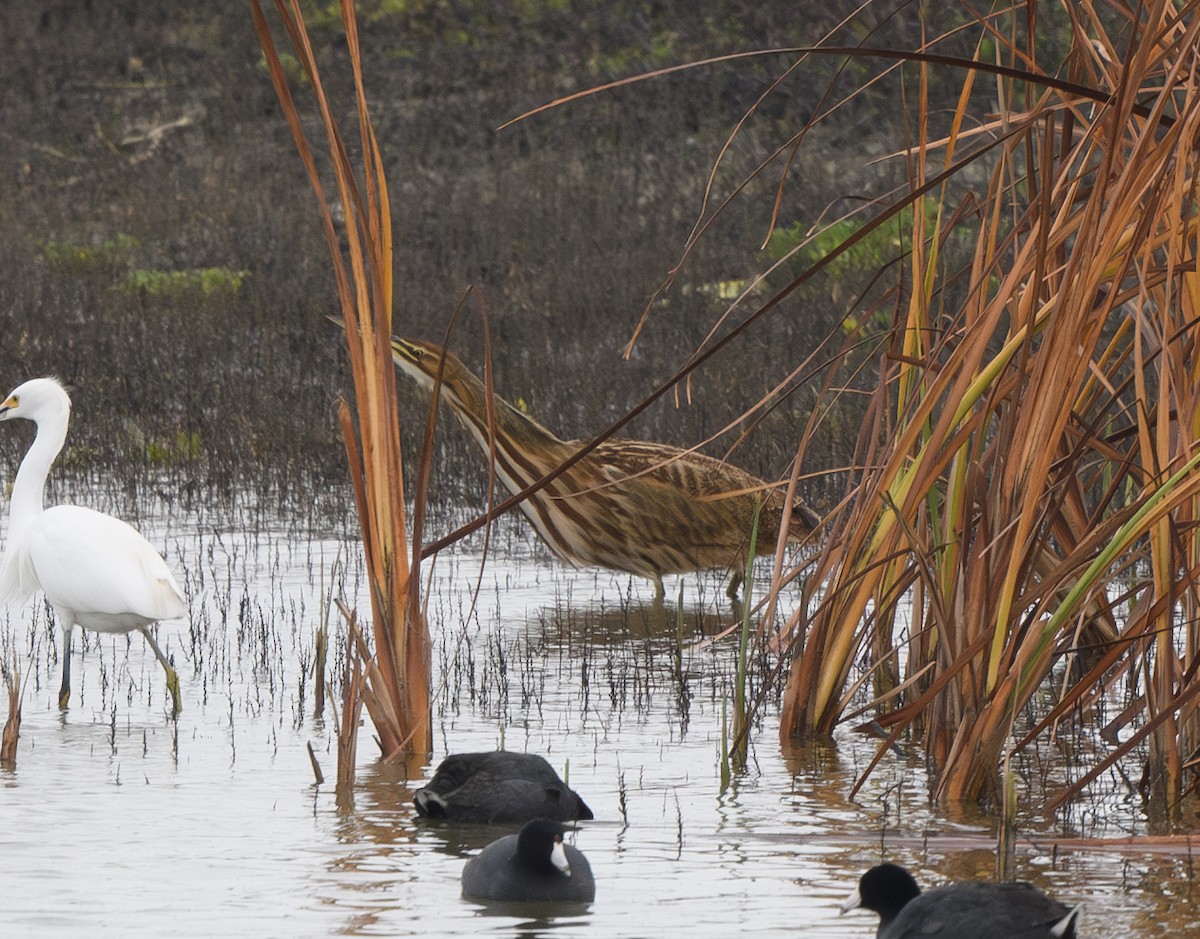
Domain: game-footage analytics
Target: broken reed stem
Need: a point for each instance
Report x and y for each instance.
(316, 767)
(321, 657)
(352, 704)
(12, 726)
(321, 649)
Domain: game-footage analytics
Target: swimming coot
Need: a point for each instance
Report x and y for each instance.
(498, 786)
(970, 910)
(533, 866)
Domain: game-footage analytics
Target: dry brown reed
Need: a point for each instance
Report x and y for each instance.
(395, 680)
(1028, 468)
(12, 724)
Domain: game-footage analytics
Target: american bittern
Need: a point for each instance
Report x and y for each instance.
(643, 508)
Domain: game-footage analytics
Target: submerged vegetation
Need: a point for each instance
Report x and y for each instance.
(175, 283)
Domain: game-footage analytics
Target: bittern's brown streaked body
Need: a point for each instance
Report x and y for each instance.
(644, 508)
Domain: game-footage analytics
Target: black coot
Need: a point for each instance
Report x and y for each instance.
(534, 866)
(970, 910)
(498, 786)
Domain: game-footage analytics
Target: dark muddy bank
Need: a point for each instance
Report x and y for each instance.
(162, 249)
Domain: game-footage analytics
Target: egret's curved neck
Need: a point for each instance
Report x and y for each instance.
(30, 483)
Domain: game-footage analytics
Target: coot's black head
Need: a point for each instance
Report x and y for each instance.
(540, 846)
(885, 889)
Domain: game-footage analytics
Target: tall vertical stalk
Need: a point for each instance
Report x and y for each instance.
(396, 680)
(740, 746)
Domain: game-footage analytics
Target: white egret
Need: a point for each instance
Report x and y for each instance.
(96, 571)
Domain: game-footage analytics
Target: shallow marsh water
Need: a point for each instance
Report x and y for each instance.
(117, 821)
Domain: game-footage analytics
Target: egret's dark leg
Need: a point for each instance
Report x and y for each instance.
(64, 691)
(172, 675)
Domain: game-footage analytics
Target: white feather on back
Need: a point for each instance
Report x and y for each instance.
(99, 568)
(17, 579)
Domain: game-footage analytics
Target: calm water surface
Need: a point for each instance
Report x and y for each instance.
(119, 822)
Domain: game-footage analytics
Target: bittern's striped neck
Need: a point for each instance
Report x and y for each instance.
(644, 508)
(524, 451)
(526, 446)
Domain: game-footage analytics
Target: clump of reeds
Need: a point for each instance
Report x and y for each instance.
(395, 682)
(1029, 462)
(1027, 465)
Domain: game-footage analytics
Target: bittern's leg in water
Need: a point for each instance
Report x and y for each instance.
(735, 583)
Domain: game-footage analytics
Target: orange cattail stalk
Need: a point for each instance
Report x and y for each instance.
(396, 685)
